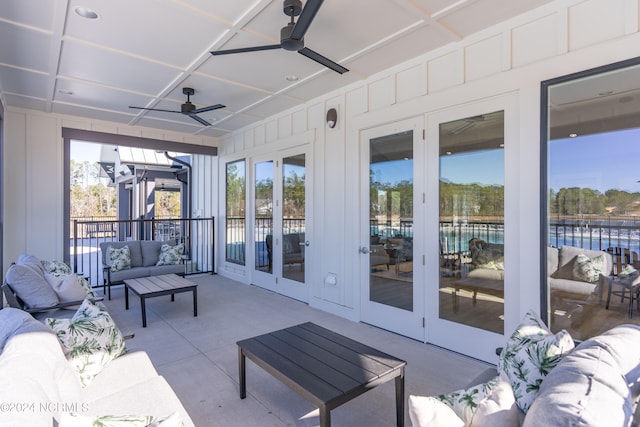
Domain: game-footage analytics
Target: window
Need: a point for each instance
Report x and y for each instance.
(591, 218)
(235, 212)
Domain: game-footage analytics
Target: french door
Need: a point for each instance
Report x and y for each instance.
(469, 262)
(281, 223)
(392, 270)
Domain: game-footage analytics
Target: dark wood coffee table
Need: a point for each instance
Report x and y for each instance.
(326, 368)
(155, 286)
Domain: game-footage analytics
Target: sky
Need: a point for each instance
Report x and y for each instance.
(602, 161)
(85, 151)
(483, 167)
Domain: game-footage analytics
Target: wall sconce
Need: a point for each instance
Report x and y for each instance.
(332, 118)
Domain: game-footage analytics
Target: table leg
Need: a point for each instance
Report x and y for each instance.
(126, 297)
(143, 305)
(195, 302)
(242, 377)
(400, 399)
(325, 417)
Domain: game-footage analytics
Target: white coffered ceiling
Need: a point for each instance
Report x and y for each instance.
(143, 52)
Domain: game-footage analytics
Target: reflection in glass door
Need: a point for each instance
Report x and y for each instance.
(293, 217)
(263, 228)
(393, 296)
(391, 220)
(472, 221)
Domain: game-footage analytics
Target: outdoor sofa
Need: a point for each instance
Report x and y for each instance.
(70, 364)
(544, 379)
(145, 258)
(41, 381)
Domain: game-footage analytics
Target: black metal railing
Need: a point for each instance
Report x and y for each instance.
(197, 235)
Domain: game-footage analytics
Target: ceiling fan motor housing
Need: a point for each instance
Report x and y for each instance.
(286, 42)
(187, 107)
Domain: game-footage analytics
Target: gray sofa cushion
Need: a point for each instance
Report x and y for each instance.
(129, 273)
(589, 387)
(167, 269)
(31, 287)
(14, 321)
(150, 251)
(134, 249)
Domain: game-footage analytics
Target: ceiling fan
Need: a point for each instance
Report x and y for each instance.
(292, 35)
(188, 108)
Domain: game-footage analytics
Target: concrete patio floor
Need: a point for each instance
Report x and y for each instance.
(198, 356)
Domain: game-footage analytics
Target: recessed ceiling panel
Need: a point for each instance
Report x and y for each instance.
(184, 34)
(24, 12)
(272, 106)
(23, 82)
(25, 102)
(106, 67)
(23, 47)
(96, 96)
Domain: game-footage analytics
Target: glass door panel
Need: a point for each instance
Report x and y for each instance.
(263, 203)
(392, 278)
(391, 220)
(471, 188)
(293, 217)
(280, 209)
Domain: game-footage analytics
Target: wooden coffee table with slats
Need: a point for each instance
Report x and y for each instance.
(324, 367)
(155, 286)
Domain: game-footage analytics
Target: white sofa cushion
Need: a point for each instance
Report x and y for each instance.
(121, 373)
(153, 396)
(37, 358)
(591, 385)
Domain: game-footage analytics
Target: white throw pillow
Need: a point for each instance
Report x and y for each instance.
(499, 409)
(90, 340)
(427, 411)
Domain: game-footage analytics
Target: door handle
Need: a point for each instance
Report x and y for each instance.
(365, 250)
(304, 243)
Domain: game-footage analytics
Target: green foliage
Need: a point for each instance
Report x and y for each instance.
(471, 199)
(580, 201)
(236, 189)
(89, 196)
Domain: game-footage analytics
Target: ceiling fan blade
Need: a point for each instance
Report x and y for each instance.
(245, 49)
(209, 108)
(155, 109)
(322, 60)
(198, 119)
(306, 17)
